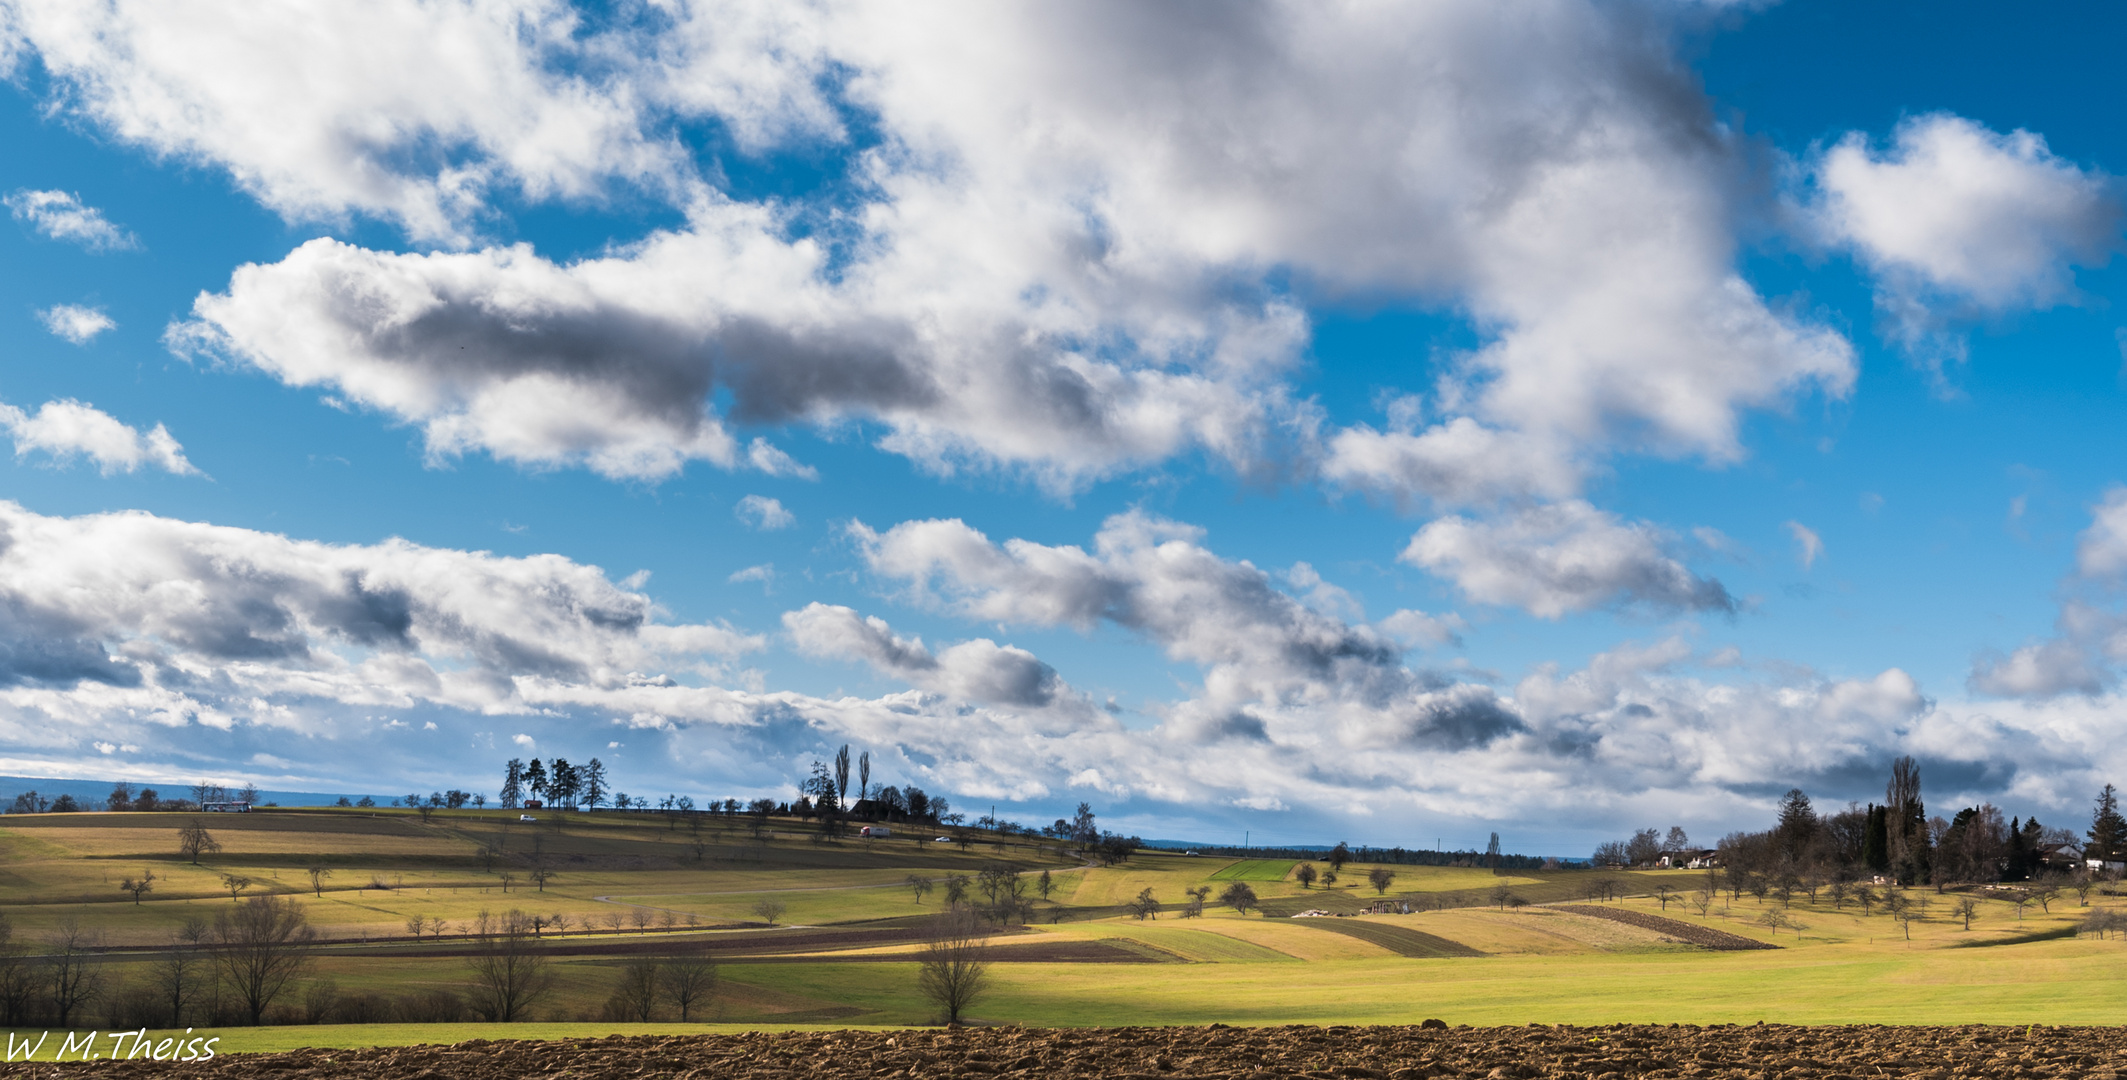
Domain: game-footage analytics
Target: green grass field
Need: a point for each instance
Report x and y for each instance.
(1255, 870)
(626, 885)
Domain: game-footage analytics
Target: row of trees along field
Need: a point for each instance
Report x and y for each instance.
(1897, 841)
(124, 797)
(253, 963)
(1491, 858)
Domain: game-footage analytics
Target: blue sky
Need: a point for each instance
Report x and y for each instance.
(1388, 426)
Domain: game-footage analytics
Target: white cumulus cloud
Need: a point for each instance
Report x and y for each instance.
(75, 322)
(764, 513)
(62, 215)
(2090, 631)
(1958, 221)
(979, 670)
(1059, 268)
(1562, 557)
(179, 612)
(69, 429)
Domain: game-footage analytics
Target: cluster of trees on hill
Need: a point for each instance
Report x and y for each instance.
(1492, 858)
(1896, 840)
(559, 784)
(824, 793)
(123, 796)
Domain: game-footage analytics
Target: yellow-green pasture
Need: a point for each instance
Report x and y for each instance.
(379, 869)
(1538, 963)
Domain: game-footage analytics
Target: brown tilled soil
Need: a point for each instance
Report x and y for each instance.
(1335, 1053)
(1705, 937)
(1401, 940)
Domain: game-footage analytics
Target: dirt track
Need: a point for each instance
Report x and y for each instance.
(1335, 1053)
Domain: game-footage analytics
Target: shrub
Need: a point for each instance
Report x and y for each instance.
(364, 1009)
(431, 1007)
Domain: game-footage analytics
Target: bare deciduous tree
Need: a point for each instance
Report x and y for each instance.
(689, 981)
(259, 947)
(1305, 875)
(919, 885)
(318, 874)
(769, 909)
(320, 1000)
(1146, 906)
(236, 884)
(1380, 877)
(510, 974)
(953, 969)
(177, 975)
(72, 978)
(193, 840)
(142, 884)
(1195, 907)
(18, 980)
(1966, 908)
(635, 994)
(1238, 896)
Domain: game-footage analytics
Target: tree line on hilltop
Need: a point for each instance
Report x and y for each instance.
(124, 796)
(1896, 841)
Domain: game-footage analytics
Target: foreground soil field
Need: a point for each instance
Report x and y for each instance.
(1327, 1053)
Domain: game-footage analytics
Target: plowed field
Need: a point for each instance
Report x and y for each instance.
(1335, 1053)
(1704, 937)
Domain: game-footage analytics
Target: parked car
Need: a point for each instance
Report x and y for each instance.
(942, 840)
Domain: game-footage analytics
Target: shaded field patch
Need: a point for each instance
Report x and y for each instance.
(1401, 940)
(1705, 937)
